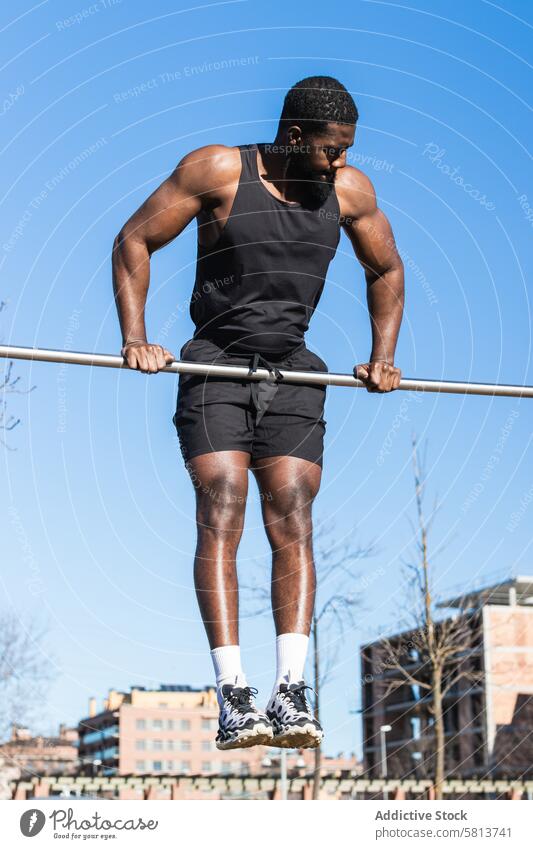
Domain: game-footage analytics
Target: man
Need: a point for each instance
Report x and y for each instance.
(269, 219)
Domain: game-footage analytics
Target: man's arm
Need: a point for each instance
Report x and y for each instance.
(371, 235)
(164, 215)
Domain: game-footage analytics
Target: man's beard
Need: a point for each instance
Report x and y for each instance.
(314, 189)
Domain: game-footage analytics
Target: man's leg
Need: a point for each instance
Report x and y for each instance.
(288, 486)
(220, 479)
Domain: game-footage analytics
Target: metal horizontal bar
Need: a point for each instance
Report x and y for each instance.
(311, 377)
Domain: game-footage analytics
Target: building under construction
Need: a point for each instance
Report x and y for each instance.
(488, 712)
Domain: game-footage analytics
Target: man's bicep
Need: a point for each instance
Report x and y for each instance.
(168, 210)
(373, 242)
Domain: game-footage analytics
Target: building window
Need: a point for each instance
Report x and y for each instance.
(207, 724)
(157, 745)
(140, 745)
(157, 723)
(185, 766)
(206, 766)
(207, 746)
(170, 765)
(157, 766)
(140, 724)
(101, 734)
(110, 752)
(226, 766)
(185, 745)
(185, 724)
(170, 745)
(140, 765)
(170, 724)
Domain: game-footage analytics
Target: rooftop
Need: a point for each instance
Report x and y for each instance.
(508, 591)
(512, 591)
(174, 688)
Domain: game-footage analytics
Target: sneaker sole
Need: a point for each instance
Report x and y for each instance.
(298, 737)
(261, 735)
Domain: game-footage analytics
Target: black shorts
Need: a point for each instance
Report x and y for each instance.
(263, 418)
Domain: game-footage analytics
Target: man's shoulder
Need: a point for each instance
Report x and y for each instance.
(355, 192)
(211, 165)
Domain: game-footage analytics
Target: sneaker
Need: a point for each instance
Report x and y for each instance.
(240, 724)
(292, 718)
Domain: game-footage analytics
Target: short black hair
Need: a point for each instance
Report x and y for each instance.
(315, 102)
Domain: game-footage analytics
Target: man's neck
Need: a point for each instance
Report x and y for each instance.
(274, 157)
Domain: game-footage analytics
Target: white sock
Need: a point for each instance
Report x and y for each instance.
(228, 668)
(291, 652)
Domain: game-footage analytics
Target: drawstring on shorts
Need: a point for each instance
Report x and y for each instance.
(263, 391)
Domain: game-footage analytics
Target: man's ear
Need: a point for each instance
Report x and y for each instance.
(294, 135)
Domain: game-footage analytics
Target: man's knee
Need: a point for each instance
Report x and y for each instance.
(288, 515)
(220, 503)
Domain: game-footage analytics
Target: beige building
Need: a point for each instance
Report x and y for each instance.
(171, 731)
(487, 724)
(31, 755)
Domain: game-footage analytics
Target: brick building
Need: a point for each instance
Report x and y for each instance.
(170, 731)
(487, 724)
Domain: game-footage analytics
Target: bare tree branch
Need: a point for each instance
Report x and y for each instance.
(9, 386)
(25, 669)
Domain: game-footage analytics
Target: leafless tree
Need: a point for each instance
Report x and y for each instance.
(434, 654)
(338, 596)
(24, 667)
(25, 670)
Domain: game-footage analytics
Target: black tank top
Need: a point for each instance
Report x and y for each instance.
(257, 287)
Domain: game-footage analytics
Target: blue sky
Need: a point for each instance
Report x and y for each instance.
(100, 101)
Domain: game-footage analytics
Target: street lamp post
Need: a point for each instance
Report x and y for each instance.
(283, 773)
(282, 757)
(382, 732)
(353, 794)
(417, 758)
